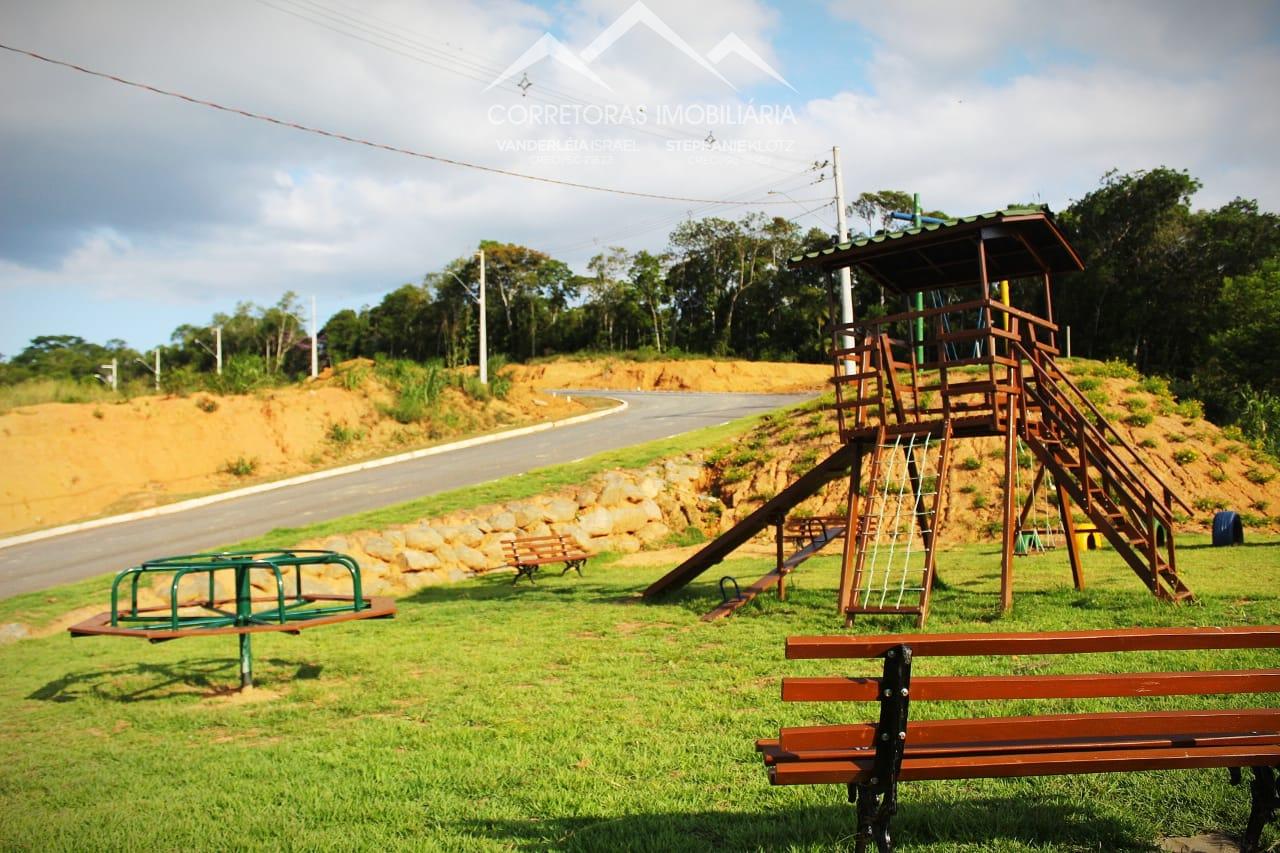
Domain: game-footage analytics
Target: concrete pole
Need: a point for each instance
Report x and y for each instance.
(157, 369)
(217, 347)
(315, 347)
(842, 234)
(484, 340)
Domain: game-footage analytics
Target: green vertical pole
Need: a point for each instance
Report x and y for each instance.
(246, 662)
(919, 296)
(244, 608)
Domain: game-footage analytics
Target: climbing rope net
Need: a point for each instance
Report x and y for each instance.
(895, 556)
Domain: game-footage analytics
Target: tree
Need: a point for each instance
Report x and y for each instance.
(648, 276)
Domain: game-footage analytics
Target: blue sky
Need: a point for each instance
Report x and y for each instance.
(128, 214)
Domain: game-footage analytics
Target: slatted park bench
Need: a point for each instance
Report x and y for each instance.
(527, 554)
(872, 757)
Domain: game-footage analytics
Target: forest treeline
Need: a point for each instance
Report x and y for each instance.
(1189, 294)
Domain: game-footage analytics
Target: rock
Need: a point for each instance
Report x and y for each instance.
(395, 537)
(575, 533)
(613, 495)
(411, 560)
(628, 518)
(471, 558)
(650, 487)
(12, 632)
(423, 538)
(337, 543)
(626, 544)
(652, 533)
(378, 586)
(598, 544)
(447, 555)
(526, 514)
(540, 529)
(651, 510)
(456, 575)
(596, 522)
(418, 580)
(379, 547)
(560, 509)
(588, 497)
(368, 568)
(469, 536)
(503, 521)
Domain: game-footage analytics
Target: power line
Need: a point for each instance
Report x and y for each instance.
(366, 28)
(355, 140)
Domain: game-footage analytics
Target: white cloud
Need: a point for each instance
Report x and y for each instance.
(120, 197)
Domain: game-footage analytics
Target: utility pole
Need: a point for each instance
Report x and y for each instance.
(315, 348)
(217, 346)
(842, 234)
(484, 341)
(155, 370)
(115, 372)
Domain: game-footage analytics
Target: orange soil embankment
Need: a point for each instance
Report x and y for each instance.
(66, 462)
(691, 375)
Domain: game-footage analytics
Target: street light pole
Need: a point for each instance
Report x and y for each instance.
(217, 345)
(315, 349)
(842, 234)
(484, 342)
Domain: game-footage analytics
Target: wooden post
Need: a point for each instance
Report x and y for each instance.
(782, 578)
(1069, 531)
(1010, 497)
(851, 543)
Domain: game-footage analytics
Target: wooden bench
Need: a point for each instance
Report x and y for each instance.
(528, 553)
(871, 758)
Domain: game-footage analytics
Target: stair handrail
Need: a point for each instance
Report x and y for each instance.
(1121, 486)
(1169, 494)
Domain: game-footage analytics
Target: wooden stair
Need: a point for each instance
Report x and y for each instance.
(1096, 466)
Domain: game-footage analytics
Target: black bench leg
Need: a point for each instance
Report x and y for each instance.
(524, 572)
(572, 566)
(1265, 801)
(873, 818)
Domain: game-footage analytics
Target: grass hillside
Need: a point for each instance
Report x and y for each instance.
(1211, 467)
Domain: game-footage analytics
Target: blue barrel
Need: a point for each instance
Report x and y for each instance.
(1228, 529)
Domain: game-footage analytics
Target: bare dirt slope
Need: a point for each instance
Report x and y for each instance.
(687, 375)
(67, 462)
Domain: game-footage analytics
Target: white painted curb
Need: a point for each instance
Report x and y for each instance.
(193, 503)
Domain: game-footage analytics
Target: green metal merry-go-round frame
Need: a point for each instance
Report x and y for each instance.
(290, 611)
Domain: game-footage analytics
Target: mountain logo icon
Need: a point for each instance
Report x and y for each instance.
(548, 46)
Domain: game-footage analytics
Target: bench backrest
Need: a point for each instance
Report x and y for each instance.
(1069, 686)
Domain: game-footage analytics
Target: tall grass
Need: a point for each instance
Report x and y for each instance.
(37, 391)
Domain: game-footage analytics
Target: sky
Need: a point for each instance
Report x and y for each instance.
(125, 213)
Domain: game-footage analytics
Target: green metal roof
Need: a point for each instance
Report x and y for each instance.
(1016, 241)
(884, 236)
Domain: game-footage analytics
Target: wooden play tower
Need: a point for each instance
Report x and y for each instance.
(973, 362)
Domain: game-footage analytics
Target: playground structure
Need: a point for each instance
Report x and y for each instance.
(235, 614)
(972, 364)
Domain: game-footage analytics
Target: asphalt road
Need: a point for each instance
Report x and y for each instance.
(83, 554)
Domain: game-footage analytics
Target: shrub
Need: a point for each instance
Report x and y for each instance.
(1185, 456)
(207, 404)
(1149, 443)
(1157, 385)
(1025, 460)
(1218, 475)
(1089, 384)
(499, 377)
(979, 501)
(241, 466)
(971, 463)
(1260, 506)
(968, 489)
(1116, 369)
(353, 377)
(1206, 504)
(1176, 437)
(1138, 419)
(689, 536)
(733, 475)
(241, 374)
(1133, 404)
(1190, 409)
(342, 435)
(1259, 477)
(1221, 456)
(1098, 397)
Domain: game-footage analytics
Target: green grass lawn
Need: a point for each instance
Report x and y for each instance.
(574, 716)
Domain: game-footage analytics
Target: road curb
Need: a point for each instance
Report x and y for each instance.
(193, 503)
